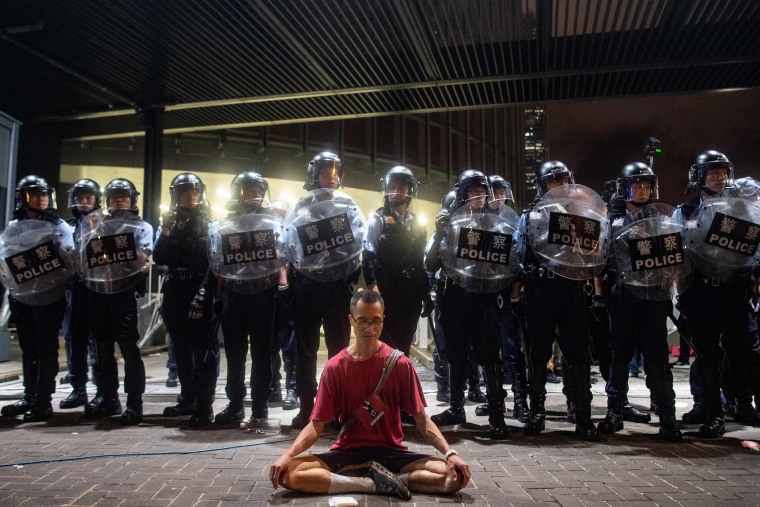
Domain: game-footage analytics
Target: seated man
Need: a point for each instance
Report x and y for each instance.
(348, 387)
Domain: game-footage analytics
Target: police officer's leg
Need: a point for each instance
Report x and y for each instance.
(174, 309)
(236, 316)
(574, 343)
(541, 322)
(102, 324)
(261, 326)
(127, 336)
(289, 358)
(486, 342)
(740, 340)
(47, 323)
(307, 322)
(276, 382)
(653, 341)
(402, 311)
(79, 332)
(456, 317)
(697, 413)
(23, 315)
(624, 321)
(440, 360)
(702, 306)
(569, 389)
(335, 317)
(514, 358)
(205, 347)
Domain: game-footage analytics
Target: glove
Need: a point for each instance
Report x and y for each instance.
(518, 309)
(442, 222)
(168, 219)
(598, 308)
(428, 305)
(197, 305)
(284, 296)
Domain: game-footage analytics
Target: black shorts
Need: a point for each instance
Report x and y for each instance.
(392, 459)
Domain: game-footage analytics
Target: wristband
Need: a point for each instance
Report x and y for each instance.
(449, 453)
(515, 300)
(283, 287)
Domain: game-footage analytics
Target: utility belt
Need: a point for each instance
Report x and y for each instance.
(183, 274)
(542, 273)
(397, 272)
(705, 280)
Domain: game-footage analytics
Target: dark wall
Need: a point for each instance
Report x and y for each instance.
(597, 138)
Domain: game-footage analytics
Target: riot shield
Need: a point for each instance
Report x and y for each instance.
(36, 268)
(324, 238)
(649, 253)
(247, 251)
(567, 230)
(723, 234)
(479, 249)
(112, 255)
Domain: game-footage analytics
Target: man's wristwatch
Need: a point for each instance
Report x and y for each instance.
(449, 453)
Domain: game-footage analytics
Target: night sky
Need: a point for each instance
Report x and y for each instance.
(596, 138)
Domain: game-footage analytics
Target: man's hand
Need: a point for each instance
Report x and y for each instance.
(442, 222)
(461, 469)
(196, 305)
(278, 469)
(428, 305)
(598, 308)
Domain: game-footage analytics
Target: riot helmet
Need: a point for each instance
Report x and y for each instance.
(633, 174)
(247, 189)
(552, 171)
(468, 181)
(609, 191)
(120, 188)
(84, 197)
(186, 184)
(327, 162)
(29, 189)
(501, 189)
(394, 180)
(448, 200)
(710, 160)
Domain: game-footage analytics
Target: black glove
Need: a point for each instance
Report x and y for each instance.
(598, 308)
(284, 296)
(442, 222)
(518, 309)
(428, 305)
(168, 219)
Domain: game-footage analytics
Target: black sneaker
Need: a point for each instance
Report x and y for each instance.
(386, 482)
(449, 417)
(172, 379)
(233, 414)
(552, 378)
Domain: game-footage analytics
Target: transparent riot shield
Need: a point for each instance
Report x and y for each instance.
(324, 237)
(567, 230)
(479, 249)
(113, 255)
(649, 253)
(723, 234)
(36, 268)
(247, 251)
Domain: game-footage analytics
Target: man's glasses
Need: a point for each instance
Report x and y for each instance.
(364, 323)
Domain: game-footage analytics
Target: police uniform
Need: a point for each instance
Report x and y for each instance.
(183, 253)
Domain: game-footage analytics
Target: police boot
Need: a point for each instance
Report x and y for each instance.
(290, 401)
(584, 428)
(495, 393)
(203, 416)
(133, 415)
(19, 407)
(276, 396)
(537, 390)
(713, 425)
(41, 410)
(474, 392)
(304, 414)
(520, 390)
(613, 421)
(661, 380)
(572, 409)
(442, 393)
(455, 413)
(697, 413)
(184, 406)
(234, 413)
(746, 413)
(77, 398)
(632, 414)
(102, 406)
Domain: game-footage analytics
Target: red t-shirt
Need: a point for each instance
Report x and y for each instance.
(345, 384)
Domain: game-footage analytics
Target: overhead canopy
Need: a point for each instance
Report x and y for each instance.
(93, 66)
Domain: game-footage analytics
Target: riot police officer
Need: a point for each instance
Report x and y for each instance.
(37, 322)
(84, 198)
(112, 308)
(319, 303)
(392, 260)
(554, 308)
(248, 318)
(479, 331)
(637, 323)
(716, 307)
(181, 245)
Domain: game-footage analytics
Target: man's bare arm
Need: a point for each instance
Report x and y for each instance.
(305, 439)
(434, 437)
